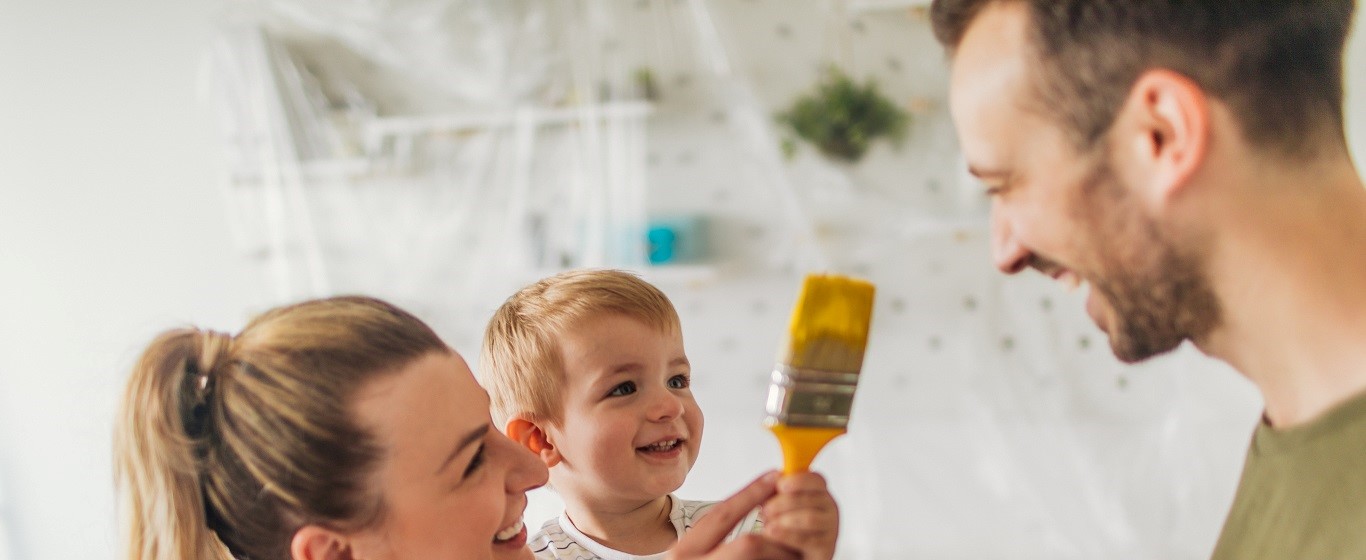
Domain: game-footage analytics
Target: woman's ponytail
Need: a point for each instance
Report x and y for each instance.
(226, 446)
(160, 445)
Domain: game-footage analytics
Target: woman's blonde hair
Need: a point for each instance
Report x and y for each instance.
(520, 362)
(226, 446)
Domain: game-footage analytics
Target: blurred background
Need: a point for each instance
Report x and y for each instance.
(165, 163)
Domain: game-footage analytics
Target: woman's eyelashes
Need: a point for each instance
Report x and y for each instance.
(475, 462)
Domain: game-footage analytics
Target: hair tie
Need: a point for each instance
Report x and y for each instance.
(198, 386)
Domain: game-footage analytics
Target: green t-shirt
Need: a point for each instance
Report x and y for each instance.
(1303, 492)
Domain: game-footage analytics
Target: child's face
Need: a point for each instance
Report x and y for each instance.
(631, 429)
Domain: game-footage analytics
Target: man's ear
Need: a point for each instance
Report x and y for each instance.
(532, 436)
(1169, 129)
(317, 543)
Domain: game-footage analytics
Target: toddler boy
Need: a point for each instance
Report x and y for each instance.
(587, 370)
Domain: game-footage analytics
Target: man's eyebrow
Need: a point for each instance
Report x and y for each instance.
(469, 439)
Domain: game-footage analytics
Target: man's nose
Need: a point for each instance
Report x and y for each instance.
(1009, 255)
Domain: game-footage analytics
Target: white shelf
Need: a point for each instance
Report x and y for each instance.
(540, 116)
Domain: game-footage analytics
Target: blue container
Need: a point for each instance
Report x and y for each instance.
(676, 240)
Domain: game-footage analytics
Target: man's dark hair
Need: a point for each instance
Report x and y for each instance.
(1276, 63)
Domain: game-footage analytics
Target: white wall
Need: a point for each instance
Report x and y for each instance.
(110, 230)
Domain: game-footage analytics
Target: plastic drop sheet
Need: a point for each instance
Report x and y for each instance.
(443, 153)
(436, 152)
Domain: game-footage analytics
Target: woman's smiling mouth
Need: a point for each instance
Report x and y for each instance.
(514, 535)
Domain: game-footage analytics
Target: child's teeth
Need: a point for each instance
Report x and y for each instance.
(662, 446)
(509, 532)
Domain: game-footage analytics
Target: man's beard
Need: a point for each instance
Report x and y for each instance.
(1158, 307)
(1158, 294)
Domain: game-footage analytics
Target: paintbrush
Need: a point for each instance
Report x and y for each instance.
(812, 389)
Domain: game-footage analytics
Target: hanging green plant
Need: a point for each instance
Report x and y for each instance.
(842, 118)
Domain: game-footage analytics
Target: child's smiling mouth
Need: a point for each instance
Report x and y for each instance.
(666, 448)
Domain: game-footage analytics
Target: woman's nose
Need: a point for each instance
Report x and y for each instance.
(526, 471)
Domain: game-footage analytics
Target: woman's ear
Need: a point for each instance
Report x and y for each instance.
(317, 543)
(529, 434)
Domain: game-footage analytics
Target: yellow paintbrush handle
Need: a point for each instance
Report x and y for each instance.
(801, 445)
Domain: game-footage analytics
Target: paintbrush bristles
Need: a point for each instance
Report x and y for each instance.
(811, 392)
(829, 328)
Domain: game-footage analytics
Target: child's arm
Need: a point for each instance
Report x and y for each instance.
(804, 516)
(705, 540)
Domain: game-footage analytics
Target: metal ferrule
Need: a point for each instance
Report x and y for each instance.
(809, 397)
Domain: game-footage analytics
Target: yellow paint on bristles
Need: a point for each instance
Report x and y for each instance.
(828, 332)
(829, 328)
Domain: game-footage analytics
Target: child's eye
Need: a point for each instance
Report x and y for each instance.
(476, 462)
(623, 389)
(679, 382)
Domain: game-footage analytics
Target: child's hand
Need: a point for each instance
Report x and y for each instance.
(706, 540)
(803, 516)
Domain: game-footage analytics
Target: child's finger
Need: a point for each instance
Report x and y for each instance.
(805, 516)
(754, 547)
(802, 483)
(813, 535)
(717, 524)
(805, 521)
(784, 503)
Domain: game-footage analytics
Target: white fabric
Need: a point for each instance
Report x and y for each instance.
(560, 539)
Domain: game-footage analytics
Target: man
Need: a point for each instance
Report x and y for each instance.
(1187, 161)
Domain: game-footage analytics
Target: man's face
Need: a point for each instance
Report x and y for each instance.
(1067, 213)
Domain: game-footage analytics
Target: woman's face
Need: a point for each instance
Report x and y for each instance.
(453, 486)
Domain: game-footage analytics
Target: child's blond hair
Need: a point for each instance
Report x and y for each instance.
(520, 362)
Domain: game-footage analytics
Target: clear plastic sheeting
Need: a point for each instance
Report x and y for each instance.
(429, 152)
(441, 153)
(1010, 431)
(464, 52)
(991, 421)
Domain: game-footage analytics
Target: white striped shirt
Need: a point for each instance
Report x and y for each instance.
(559, 539)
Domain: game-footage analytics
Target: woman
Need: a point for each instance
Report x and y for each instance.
(341, 428)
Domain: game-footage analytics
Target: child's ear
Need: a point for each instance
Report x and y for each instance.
(530, 435)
